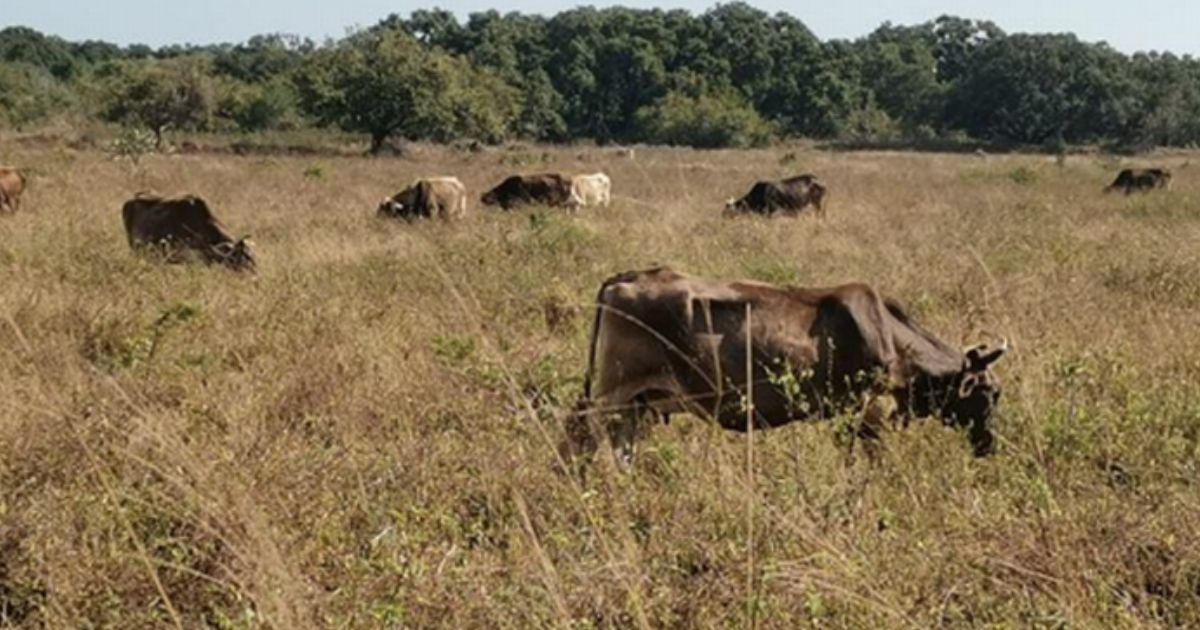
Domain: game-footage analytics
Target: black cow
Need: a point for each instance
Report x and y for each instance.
(548, 189)
(789, 195)
(1142, 179)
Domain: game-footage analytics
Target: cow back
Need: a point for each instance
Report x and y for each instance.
(184, 221)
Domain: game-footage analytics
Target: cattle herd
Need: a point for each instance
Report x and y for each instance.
(745, 354)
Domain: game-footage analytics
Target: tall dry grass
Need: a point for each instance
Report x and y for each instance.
(363, 434)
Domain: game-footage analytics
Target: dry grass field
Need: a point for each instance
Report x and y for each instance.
(362, 435)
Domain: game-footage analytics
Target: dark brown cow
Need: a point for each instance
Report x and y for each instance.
(789, 195)
(1143, 179)
(181, 227)
(12, 185)
(666, 342)
(548, 189)
(443, 197)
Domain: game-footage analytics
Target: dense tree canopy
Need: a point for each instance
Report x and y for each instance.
(733, 75)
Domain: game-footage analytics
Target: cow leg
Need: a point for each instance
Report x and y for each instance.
(870, 428)
(624, 431)
(983, 443)
(579, 440)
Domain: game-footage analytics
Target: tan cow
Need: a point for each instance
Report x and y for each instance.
(666, 342)
(12, 185)
(443, 197)
(591, 190)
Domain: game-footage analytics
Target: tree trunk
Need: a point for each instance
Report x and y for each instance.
(378, 138)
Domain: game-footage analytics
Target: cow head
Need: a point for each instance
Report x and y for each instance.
(965, 398)
(389, 207)
(236, 254)
(489, 198)
(977, 391)
(733, 205)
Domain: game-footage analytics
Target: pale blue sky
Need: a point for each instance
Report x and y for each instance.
(1128, 26)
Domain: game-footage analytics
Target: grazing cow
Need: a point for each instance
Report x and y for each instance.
(789, 195)
(591, 190)
(666, 342)
(12, 184)
(549, 189)
(1144, 179)
(180, 227)
(444, 197)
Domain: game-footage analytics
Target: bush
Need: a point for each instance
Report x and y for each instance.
(707, 121)
(29, 95)
(259, 106)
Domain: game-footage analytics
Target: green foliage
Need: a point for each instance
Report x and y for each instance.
(29, 94)
(622, 74)
(158, 95)
(705, 121)
(259, 106)
(263, 58)
(1038, 88)
(386, 84)
(25, 45)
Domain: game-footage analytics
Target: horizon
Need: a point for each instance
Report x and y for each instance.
(1097, 21)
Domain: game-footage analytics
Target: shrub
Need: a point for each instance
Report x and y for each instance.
(29, 94)
(707, 121)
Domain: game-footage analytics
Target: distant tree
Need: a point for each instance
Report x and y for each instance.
(899, 68)
(1167, 99)
(158, 95)
(385, 84)
(263, 57)
(437, 28)
(93, 52)
(25, 45)
(1038, 89)
(956, 40)
(513, 47)
(258, 106)
(606, 65)
(29, 94)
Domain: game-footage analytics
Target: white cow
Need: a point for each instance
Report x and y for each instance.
(590, 190)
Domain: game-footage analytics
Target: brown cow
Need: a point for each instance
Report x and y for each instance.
(789, 195)
(444, 197)
(548, 189)
(1143, 179)
(181, 227)
(12, 184)
(666, 342)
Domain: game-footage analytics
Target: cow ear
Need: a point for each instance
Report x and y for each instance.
(969, 382)
(981, 357)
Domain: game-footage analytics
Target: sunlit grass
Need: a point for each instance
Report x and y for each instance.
(362, 435)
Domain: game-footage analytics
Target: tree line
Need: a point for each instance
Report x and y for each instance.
(732, 76)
